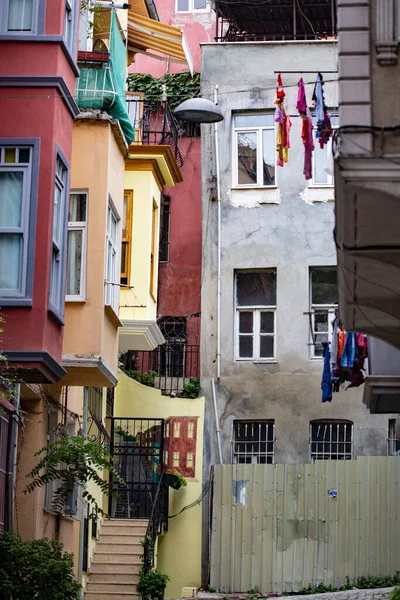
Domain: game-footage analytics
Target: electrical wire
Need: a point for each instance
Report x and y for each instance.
(205, 491)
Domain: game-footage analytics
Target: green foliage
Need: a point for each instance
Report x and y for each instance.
(362, 583)
(152, 584)
(395, 595)
(148, 553)
(212, 590)
(254, 590)
(36, 569)
(68, 460)
(125, 436)
(180, 86)
(180, 477)
(191, 389)
(144, 377)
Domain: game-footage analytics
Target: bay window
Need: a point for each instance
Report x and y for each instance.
(112, 267)
(76, 247)
(254, 150)
(255, 315)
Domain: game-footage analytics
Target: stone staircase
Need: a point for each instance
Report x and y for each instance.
(114, 571)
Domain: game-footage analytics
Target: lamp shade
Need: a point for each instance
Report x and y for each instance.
(199, 110)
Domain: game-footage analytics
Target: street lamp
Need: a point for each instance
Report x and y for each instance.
(199, 110)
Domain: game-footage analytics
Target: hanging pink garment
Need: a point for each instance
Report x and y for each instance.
(307, 129)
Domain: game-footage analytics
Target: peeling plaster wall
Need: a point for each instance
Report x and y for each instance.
(289, 228)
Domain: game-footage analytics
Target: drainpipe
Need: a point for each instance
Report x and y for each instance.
(11, 460)
(82, 519)
(218, 431)
(217, 168)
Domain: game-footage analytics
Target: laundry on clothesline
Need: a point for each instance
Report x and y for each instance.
(283, 125)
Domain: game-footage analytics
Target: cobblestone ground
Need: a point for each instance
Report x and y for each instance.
(375, 594)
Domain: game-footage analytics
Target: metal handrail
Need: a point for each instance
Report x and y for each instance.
(158, 521)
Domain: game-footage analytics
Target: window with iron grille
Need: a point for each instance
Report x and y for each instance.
(95, 403)
(323, 305)
(110, 402)
(393, 442)
(253, 442)
(331, 440)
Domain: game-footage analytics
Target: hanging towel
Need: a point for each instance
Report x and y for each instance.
(318, 98)
(324, 127)
(350, 351)
(306, 130)
(335, 343)
(326, 383)
(283, 125)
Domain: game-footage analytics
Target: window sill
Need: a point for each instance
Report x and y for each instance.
(258, 361)
(112, 315)
(76, 299)
(323, 186)
(254, 187)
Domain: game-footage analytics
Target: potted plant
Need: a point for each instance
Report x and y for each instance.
(152, 584)
(174, 479)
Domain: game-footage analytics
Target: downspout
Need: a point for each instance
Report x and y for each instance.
(218, 431)
(82, 519)
(217, 169)
(11, 460)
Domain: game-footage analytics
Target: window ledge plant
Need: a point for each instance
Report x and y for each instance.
(175, 479)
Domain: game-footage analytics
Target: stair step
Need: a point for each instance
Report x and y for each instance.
(120, 538)
(123, 568)
(128, 558)
(108, 596)
(126, 578)
(130, 548)
(125, 522)
(111, 588)
(124, 530)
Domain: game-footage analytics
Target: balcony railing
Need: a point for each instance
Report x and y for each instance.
(154, 124)
(173, 368)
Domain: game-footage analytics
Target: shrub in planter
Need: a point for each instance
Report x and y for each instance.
(152, 585)
(174, 479)
(36, 569)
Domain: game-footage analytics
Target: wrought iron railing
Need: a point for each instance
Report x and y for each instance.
(237, 36)
(154, 124)
(158, 523)
(169, 368)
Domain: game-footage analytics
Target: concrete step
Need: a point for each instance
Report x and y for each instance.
(128, 558)
(125, 568)
(124, 530)
(99, 578)
(111, 588)
(108, 596)
(120, 538)
(125, 523)
(125, 548)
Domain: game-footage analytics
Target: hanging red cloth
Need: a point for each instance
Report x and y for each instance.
(283, 125)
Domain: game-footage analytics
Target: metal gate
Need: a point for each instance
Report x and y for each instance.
(137, 451)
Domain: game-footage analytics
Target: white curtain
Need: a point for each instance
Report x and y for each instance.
(20, 14)
(10, 216)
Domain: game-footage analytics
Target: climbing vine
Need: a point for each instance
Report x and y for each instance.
(180, 86)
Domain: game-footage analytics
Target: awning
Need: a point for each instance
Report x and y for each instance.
(145, 34)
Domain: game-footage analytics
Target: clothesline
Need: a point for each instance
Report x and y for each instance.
(301, 72)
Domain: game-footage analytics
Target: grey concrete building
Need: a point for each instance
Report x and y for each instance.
(278, 264)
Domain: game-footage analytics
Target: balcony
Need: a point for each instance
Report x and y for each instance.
(173, 368)
(382, 384)
(154, 124)
(241, 21)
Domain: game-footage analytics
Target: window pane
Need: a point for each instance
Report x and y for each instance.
(256, 289)
(56, 213)
(267, 322)
(9, 155)
(74, 263)
(266, 346)
(257, 120)
(245, 346)
(77, 208)
(246, 322)
(199, 4)
(324, 286)
(23, 155)
(10, 198)
(10, 257)
(123, 257)
(183, 4)
(124, 210)
(269, 157)
(20, 14)
(247, 158)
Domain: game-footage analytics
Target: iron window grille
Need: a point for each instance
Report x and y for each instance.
(393, 442)
(164, 230)
(253, 442)
(331, 440)
(323, 305)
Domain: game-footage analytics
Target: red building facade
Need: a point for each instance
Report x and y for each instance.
(180, 441)
(38, 48)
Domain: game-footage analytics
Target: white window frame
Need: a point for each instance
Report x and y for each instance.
(392, 439)
(330, 178)
(59, 245)
(331, 309)
(112, 278)
(23, 229)
(4, 14)
(331, 454)
(259, 132)
(237, 443)
(191, 8)
(69, 20)
(257, 310)
(79, 226)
